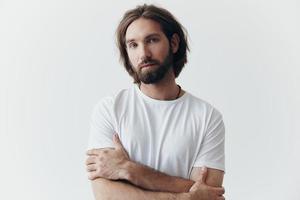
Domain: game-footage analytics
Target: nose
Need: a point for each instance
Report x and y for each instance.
(145, 53)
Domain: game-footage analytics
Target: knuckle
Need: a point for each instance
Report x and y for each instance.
(105, 151)
(92, 151)
(89, 170)
(101, 159)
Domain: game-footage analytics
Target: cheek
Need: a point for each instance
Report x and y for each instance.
(160, 52)
(132, 59)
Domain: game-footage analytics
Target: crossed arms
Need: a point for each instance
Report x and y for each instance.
(114, 176)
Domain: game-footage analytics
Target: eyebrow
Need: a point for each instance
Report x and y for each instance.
(147, 37)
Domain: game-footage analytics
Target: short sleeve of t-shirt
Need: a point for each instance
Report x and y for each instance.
(101, 125)
(212, 149)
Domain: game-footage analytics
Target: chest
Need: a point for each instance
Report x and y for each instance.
(160, 138)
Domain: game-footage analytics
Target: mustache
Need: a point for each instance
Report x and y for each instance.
(148, 62)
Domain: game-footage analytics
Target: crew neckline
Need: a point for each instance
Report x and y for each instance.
(157, 101)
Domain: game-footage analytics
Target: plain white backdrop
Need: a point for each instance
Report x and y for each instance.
(58, 58)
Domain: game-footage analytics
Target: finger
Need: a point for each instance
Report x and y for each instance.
(91, 160)
(220, 191)
(92, 152)
(221, 198)
(91, 167)
(203, 174)
(117, 141)
(92, 175)
(196, 186)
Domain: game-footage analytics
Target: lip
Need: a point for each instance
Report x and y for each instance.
(148, 65)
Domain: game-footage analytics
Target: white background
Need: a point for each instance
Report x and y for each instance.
(58, 58)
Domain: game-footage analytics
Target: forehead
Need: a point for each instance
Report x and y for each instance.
(140, 28)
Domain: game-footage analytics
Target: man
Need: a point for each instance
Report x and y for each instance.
(153, 141)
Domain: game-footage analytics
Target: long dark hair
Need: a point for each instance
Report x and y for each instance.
(169, 26)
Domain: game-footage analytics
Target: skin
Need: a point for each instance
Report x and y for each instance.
(146, 40)
(146, 43)
(114, 164)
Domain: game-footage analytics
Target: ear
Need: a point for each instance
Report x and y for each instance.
(175, 43)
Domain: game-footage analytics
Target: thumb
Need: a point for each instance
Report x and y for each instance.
(203, 174)
(117, 142)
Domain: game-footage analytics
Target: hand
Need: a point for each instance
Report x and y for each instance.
(200, 190)
(108, 163)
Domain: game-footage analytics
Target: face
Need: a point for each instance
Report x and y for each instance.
(149, 50)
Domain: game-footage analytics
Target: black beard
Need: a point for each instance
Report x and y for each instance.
(158, 74)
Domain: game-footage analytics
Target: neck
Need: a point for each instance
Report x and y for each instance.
(166, 89)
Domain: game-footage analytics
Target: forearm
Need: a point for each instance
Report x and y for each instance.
(116, 190)
(150, 179)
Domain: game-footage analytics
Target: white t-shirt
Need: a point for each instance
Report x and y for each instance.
(170, 136)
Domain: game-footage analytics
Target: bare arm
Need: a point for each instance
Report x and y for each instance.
(114, 164)
(150, 179)
(214, 176)
(116, 190)
(110, 164)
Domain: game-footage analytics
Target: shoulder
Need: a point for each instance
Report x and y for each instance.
(111, 101)
(202, 106)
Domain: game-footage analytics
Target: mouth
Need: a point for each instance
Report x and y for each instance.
(148, 65)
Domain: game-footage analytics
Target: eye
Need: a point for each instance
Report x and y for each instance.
(132, 45)
(153, 40)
